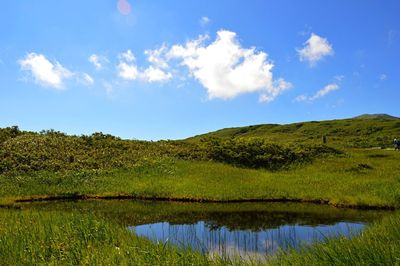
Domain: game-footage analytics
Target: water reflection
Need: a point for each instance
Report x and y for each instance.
(229, 229)
(223, 241)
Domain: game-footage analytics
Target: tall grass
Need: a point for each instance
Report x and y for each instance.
(57, 238)
(378, 245)
(32, 237)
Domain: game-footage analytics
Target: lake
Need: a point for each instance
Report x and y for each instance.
(249, 230)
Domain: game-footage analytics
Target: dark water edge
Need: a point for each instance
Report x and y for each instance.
(246, 230)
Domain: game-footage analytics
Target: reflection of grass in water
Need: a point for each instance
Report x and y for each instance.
(378, 245)
(234, 216)
(241, 245)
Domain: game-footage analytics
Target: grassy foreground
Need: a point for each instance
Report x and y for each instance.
(359, 178)
(32, 237)
(57, 238)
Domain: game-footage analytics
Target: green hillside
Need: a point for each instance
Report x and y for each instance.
(268, 146)
(375, 116)
(361, 132)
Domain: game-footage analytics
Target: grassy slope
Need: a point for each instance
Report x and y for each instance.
(345, 133)
(361, 177)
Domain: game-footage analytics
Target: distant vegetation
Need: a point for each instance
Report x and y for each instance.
(266, 146)
(361, 132)
(375, 116)
(22, 151)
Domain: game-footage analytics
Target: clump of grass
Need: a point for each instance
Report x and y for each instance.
(360, 167)
(378, 155)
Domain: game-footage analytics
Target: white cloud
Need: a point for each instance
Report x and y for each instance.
(98, 61)
(223, 67)
(204, 21)
(127, 56)
(327, 89)
(85, 79)
(157, 56)
(128, 71)
(382, 77)
(226, 69)
(319, 94)
(315, 49)
(152, 74)
(44, 72)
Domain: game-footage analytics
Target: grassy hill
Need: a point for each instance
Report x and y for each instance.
(375, 116)
(360, 132)
(268, 146)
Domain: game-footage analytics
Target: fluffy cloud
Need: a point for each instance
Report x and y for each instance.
(128, 70)
(226, 69)
(152, 74)
(98, 61)
(127, 56)
(157, 56)
(44, 72)
(315, 49)
(321, 93)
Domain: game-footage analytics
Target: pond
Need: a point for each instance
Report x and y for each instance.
(248, 230)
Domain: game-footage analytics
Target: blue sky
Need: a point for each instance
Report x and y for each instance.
(167, 69)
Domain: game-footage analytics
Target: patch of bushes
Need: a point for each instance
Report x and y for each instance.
(24, 152)
(258, 153)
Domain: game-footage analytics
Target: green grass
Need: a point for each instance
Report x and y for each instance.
(378, 245)
(360, 133)
(358, 178)
(58, 238)
(52, 237)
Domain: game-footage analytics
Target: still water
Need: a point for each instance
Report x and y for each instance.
(248, 230)
(242, 241)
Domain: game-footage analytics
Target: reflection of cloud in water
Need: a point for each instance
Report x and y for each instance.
(232, 252)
